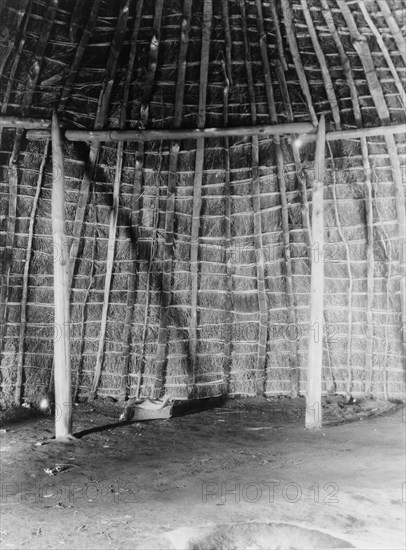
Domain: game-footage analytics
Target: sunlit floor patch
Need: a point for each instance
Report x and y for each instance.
(249, 536)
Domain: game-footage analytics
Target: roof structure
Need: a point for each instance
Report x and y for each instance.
(189, 257)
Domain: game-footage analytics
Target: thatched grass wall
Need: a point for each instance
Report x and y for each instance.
(249, 289)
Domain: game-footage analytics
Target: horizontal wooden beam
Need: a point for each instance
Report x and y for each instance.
(25, 123)
(356, 133)
(178, 134)
(306, 132)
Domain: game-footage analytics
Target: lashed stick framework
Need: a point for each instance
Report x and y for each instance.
(188, 203)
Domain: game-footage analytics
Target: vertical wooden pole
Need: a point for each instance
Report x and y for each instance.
(5, 262)
(109, 270)
(293, 345)
(63, 393)
(315, 356)
(260, 376)
(132, 277)
(27, 263)
(102, 111)
(197, 191)
(169, 257)
(228, 81)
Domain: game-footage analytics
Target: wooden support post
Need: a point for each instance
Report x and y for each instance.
(63, 393)
(315, 356)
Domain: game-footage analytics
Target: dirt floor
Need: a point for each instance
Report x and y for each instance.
(246, 475)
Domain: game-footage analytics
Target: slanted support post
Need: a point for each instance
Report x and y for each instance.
(315, 355)
(63, 392)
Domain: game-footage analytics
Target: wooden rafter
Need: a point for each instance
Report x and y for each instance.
(328, 16)
(228, 42)
(152, 62)
(293, 355)
(256, 198)
(144, 115)
(17, 56)
(132, 277)
(361, 47)
(345, 62)
(104, 102)
(398, 83)
(297, 60)
(10, 234)
(74, 69)
(393, 27)
(77, 20)
(90, 168)
(197, 185)
(39, 55)
(228, 237)
(27, 264)
(328, 83)
(170, 199)
(278, 36)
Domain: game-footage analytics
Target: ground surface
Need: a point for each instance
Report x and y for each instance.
(128, 486)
